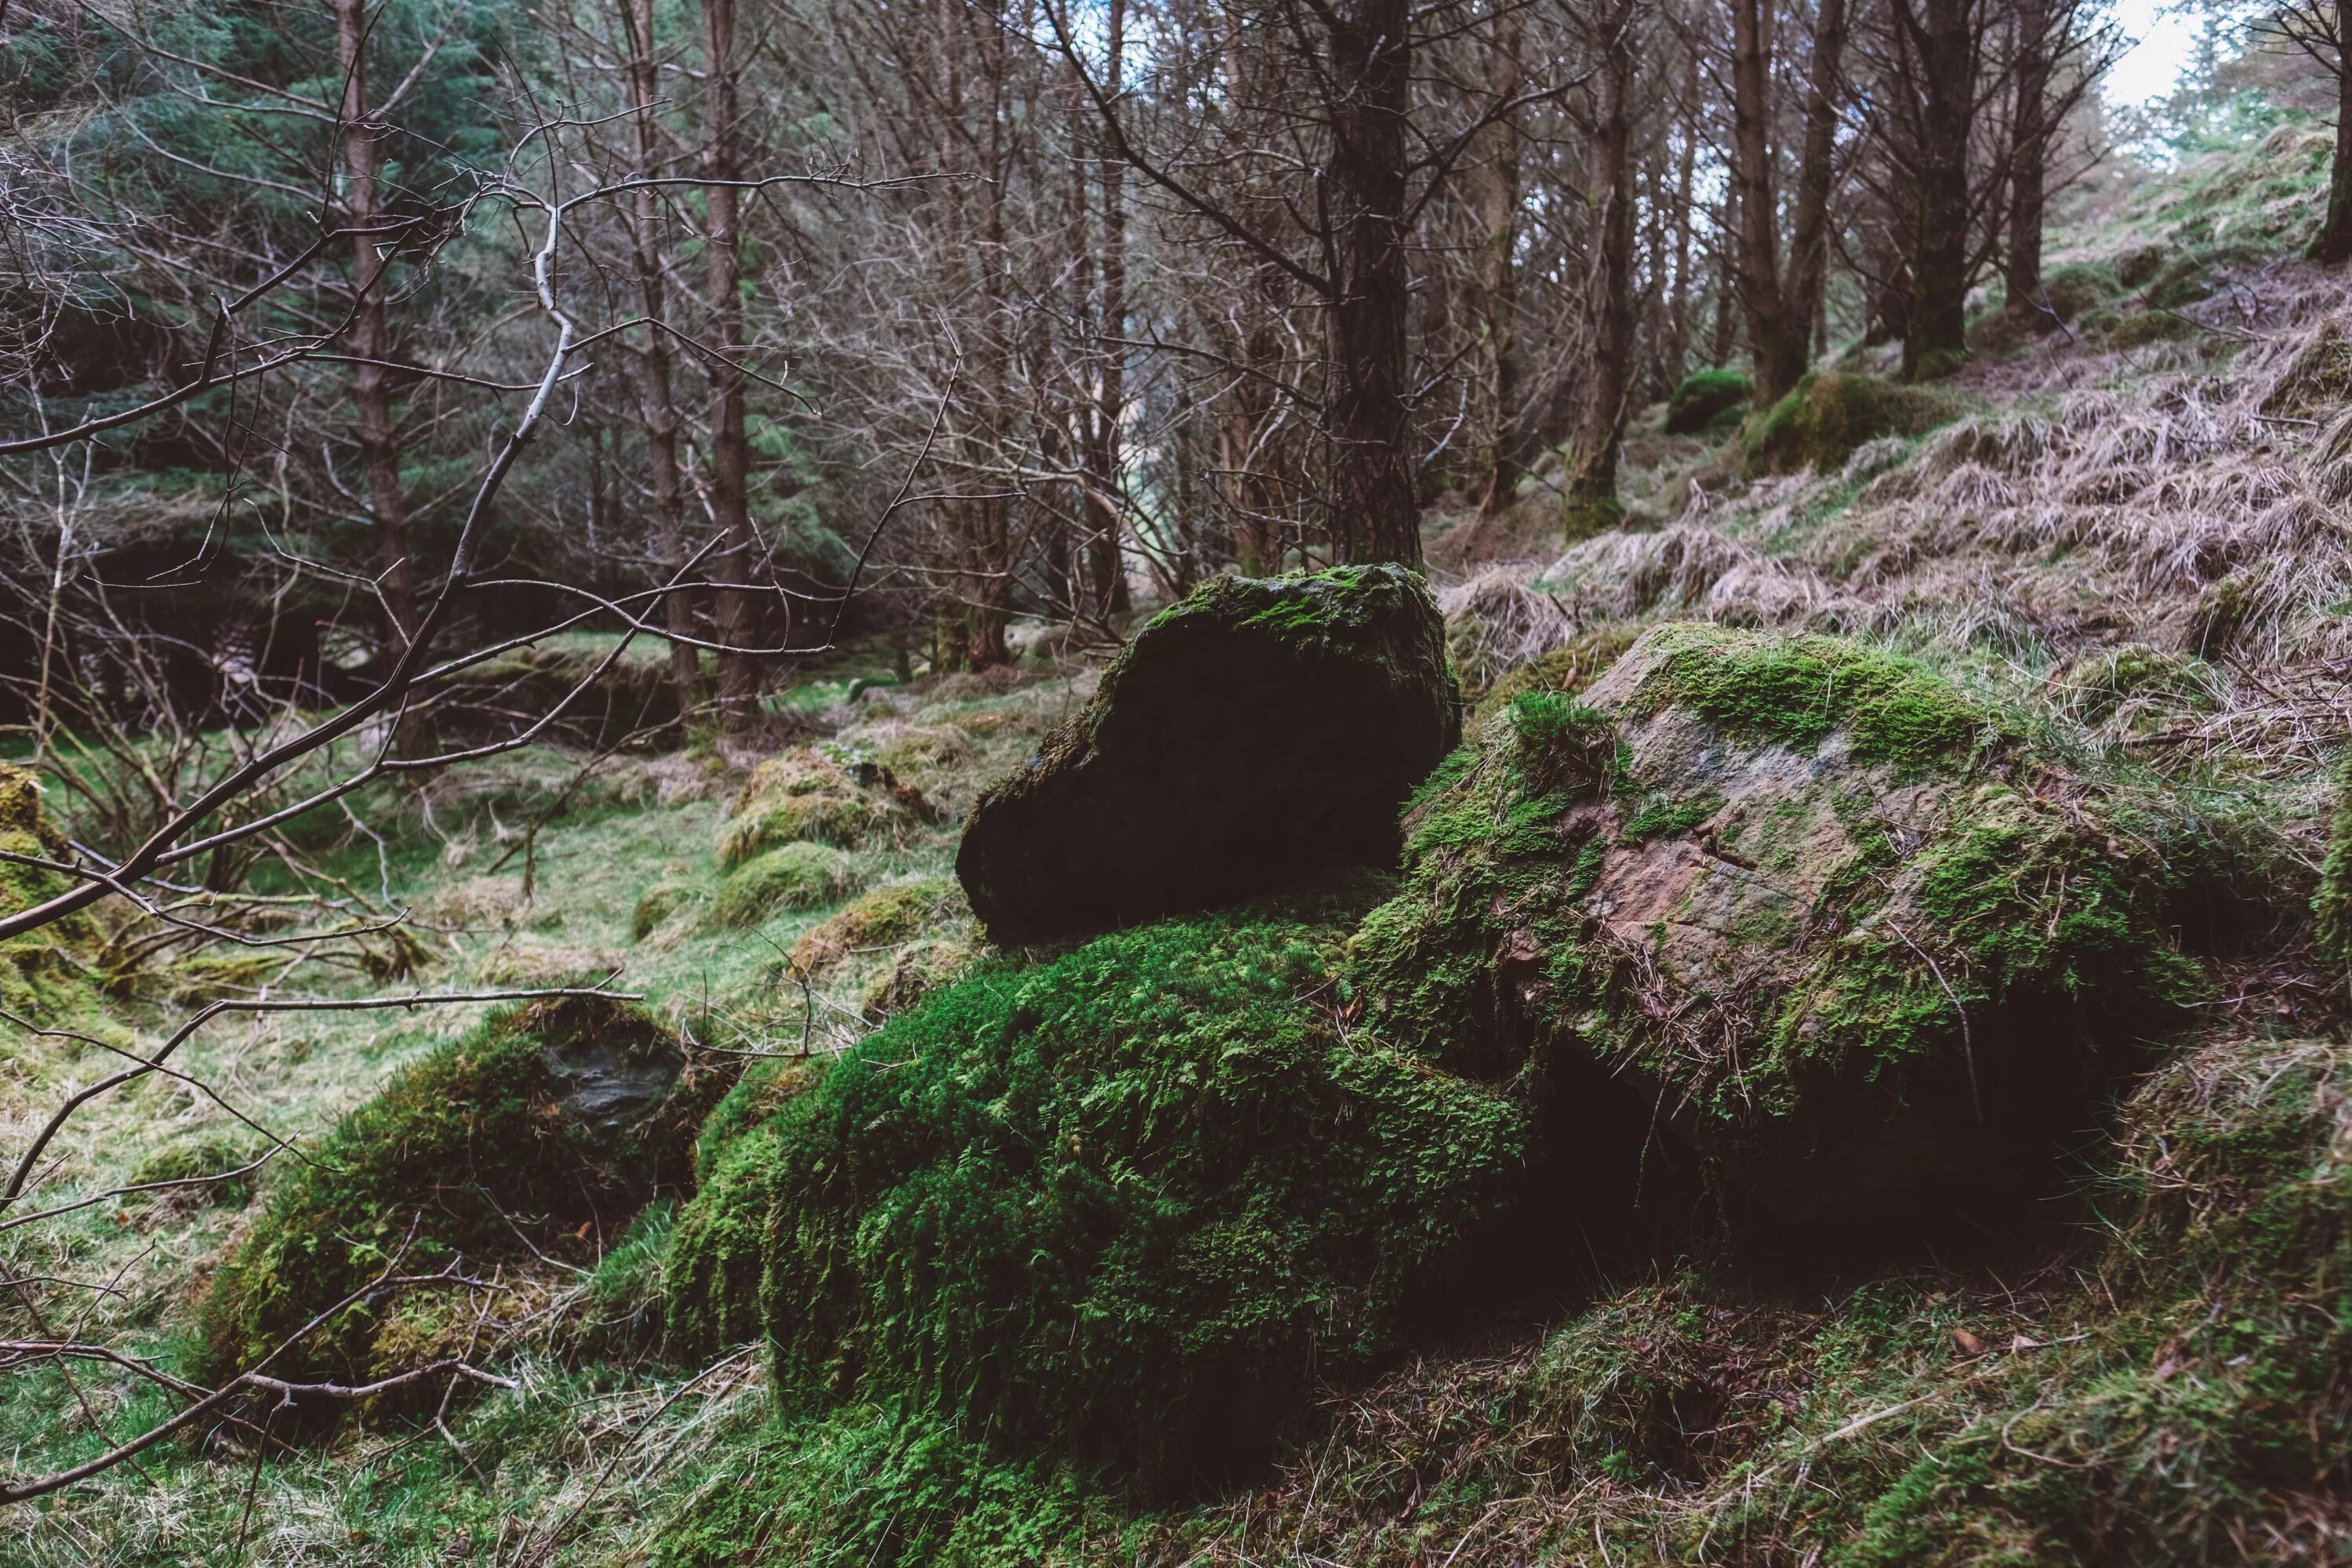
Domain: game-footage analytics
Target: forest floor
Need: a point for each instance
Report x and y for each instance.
(2130, 533)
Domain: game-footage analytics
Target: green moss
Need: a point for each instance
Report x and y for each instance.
(797, 876)
(884, 918)
(659, 902)
(1703, 396)
(1566, 669)
(1797, 981)
(1662, 815)
(49, 974)
(2331, 907)
(718, 1249)
(441, 1164)
(1798, 691)
(810, 795)
(2079, 287)
(2150, 326)
(1829, 414)
(887, 1487)
(1081, 1205)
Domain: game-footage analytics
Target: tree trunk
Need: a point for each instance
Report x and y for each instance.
(1498, 281)
(1809, 249)
(1590, 505)
(731, 499)
(656, 407)
(2029, 160)
(2335, 242)
(1775, 344)
(379, 437)
(1373, 493)
(1105, 566)
(1685, 169)
(1937, 340)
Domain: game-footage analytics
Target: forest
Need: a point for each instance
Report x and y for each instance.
(1213, 783)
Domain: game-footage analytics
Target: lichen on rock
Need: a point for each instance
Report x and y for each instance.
(1259, 730)
(1848, 939)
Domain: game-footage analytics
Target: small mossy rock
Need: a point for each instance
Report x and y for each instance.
(1260, 730)
(884, 918)
(812, 795)
(564, 1112)
(796, 876)
(1830, 412)
(1128, 1205)
(1702, 396)
(1821, 915)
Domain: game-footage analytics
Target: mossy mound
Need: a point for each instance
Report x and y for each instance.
(1851, 947)
(1830, 412)
(1704, 395)
(811, 795)
(884, 918)
(662, 902)
(1258, 731)
(1128, 1204)
(796, 876)
(563, 1113)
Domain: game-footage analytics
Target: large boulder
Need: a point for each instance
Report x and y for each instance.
(1829, 928)
(1260, 730)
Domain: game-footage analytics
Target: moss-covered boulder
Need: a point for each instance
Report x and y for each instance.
(1128, 1204)
(1829, 414)
(540, 1132)
(818, 795)
(1261, 730)
(1704, 396)
(1814, 914)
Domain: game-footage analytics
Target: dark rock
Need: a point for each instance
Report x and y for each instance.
(1260, 730)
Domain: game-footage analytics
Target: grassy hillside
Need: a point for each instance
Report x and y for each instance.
(2125, 535)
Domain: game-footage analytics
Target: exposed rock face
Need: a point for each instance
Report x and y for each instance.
(1821, 920)
(1260, 730)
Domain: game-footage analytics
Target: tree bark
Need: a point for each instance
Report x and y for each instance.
(1374, 494)
(379, 435)
(2335, 242)
(1937, 335)
(1498, 280)
(656, 406)
(731, 501)
(1106, 565)
(2029, 160)
(1591, 504)
(1779, 308)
